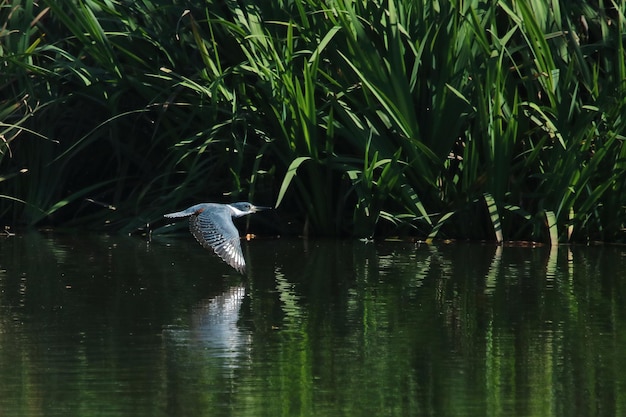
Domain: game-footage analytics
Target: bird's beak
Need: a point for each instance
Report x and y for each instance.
(260, 208)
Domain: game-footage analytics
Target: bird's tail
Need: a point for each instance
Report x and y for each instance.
(184, 213)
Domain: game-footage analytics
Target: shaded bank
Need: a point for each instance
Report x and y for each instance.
(446, 119)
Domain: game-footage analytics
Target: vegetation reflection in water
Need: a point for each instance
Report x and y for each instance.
(118, 326)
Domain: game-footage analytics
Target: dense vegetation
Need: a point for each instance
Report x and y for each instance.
(442, 118)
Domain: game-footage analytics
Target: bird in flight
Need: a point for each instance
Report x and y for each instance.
(212, 226)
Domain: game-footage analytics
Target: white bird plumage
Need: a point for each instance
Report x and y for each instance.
(212, 226)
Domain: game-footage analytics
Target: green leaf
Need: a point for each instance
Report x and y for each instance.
(289, 176)
(440, 223)
(552, 227)
(494, 216)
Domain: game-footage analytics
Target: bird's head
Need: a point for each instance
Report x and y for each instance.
(244, 208)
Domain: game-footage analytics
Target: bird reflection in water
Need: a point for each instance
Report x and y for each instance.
(214, 329)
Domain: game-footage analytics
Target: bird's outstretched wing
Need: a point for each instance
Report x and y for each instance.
(216, 230)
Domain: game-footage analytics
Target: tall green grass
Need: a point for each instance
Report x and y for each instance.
(473, 119)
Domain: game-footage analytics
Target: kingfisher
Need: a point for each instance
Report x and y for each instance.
(212, 226)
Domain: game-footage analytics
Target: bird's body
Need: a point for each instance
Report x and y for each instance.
(212, 226)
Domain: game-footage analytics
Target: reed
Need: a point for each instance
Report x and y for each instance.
(449, 119)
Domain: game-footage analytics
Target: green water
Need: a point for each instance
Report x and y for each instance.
(111, 326)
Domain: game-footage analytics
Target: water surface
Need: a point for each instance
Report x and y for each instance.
(112, 326)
